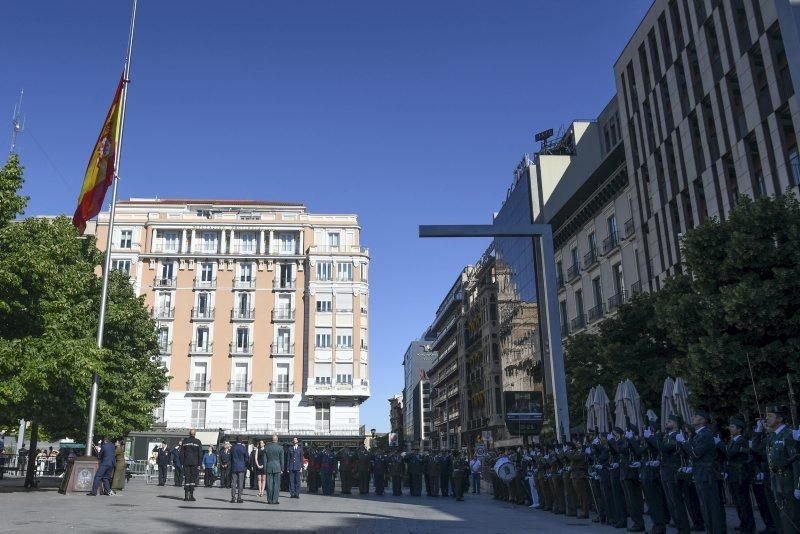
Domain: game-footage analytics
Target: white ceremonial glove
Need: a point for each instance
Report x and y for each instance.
(759, 476)
(689, 469)
(750, 443)
(648, 432)
(760, 426)
(628, 434)
(679, 438)
(596, 441)
(636, 465)
(716, 439)
(797, 494)
(610, 437)
(724, 476)
(615, 465)
(588, 450)
(796, 434)
(598, 467)
(655, 463)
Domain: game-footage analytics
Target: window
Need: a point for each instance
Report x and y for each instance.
(198, 414)
(597, 289)
(333, 240)
(324, 269)
(202, 338)
(322, 373)
(284, 340)
(121, 265)
(209, 242)
(559, 272)
(282, 416)
(282, 377)
(240, 415)
(323, 416)
(344, 303)
(245, 272)
(125, 238)
(164, 300)
(203, 303)
(239, 381)
(324, 303)
(618, 278)
(579, 303)
(170, 242)
(344, 272)
(364, 338)
(163, 339)
(323, 338)
(592, 239)
(363, 370)
(562, 310)
(286, 279)
(247, 243)
(344, 338)
(611, 224)
(344, 373)
(168, 270)
(243, 305)
(206, 272)
(287, 243)
(242, 339)
(574, 255)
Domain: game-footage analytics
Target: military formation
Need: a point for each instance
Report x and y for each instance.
(678, 475)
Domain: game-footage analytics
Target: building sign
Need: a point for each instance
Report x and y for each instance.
(524, 412)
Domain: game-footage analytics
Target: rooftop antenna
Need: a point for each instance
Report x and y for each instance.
(17, 123)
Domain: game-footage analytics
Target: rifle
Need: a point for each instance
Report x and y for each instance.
(792, 402)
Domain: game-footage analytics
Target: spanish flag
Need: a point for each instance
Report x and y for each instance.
(100, 171)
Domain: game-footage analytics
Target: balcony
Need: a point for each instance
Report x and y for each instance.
(243, 248)
(363, 310)
(444, 373)
(205, 284)
(610, 243)
(340, 249)
(573, 271)
(163, 313)
(630, 228)
(364, 383)
(283, 314)
(344, 346)
(597, 312)
(614, 301)
(281, 386)
(636, 289)
(285, 285)
(282, 349)
(247, 314)
(165, 349)
(322, 382)
(240, 386)
(590, 258)
(165, 283)
(244, 284)
(201, 348)
(202, 314)
(577, 323)
(237, 349)
(198, 385)
(344, 385)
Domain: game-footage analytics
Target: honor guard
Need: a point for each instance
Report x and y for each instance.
(397, 469)
(191, 458)
(784, 468)
(415, 468)
(378, 467)
(346, 469)
(363, 463)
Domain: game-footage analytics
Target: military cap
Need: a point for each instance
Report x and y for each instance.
(618, 430)
(675, 417)
(736, 421)
(704, 414)
(778, 409)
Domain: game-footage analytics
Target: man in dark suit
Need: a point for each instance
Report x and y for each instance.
(737, 471)
(702, 449)
(163, 457)
(108, 459)
(275, 466)
(295, 466)
(176, 464)
(238, 467)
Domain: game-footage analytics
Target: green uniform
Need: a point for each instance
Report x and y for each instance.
(782, 457)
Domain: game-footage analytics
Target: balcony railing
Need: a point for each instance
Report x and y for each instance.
(636, 288)
(164, 313)
(236, 348)
(244, 284)
(577, 323)
(238, 248)
(630, 228)
(165, 349)
(610, 243)
(590, 258)
(364, 347)
(283, 314)
(322, 382)
(247, 314)
(573, 271)
(203, 314)
(596, 312)
(364, 383)
(614, 301)
(240, 386)
(165, 283)
(338, 248)
(201, 348)
(281, 386)
(344, 346)
(205, 284)
(344, 384)
(198, 385)
(282, 349)
(284, 284)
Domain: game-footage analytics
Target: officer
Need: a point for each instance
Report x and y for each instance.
(433, 469)
(629, 465)
(669, 462)
(784, 468)
(363, 462)
(601, 459)
(460, 475)
(762, 492)
(415, 468)
(327, 466)
(614, 440)
(445, 472)
(177, 467)
(571, 499)
(579, 475)
(737, 459)
(313, 455)
(702, 449)
(397, 471)
(650, 480)
(542, 480)
(346, 469)
(378, 467)
(556, 481)
(191, 458)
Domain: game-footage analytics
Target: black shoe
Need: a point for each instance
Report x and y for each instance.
(636, 528)
(233, 501)
(239, 501)
(91, 494)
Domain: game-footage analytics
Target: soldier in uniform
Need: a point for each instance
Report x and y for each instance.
(784, 468)
(737, 459)
(650, 479)
(460, 475)
(761, 480)
(601, 460)
(427, 459)
(433, 467)
(629, 465)
(702, 449)
(379, 461)
(345, 469)
(570, 499)
(313, 456)
(397, 470)
(363, 463)
(327, 466)
(579, 475)
(191, 458)
(415, 469)
(557, 482)
(614, 440)
(542, 482)
(669, 461)
(445, 472)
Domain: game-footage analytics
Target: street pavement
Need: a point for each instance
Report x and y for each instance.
(149, 508)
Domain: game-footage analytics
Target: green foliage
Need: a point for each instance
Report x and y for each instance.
(49, 304)
(11, 203)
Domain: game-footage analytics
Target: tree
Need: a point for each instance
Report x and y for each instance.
(49, 303)
(737, 307)
(11, 203)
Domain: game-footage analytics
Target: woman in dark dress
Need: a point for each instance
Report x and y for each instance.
(261, 460)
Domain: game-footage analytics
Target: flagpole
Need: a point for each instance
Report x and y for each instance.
(109, 238)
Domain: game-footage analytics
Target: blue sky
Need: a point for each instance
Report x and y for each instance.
(405, 113)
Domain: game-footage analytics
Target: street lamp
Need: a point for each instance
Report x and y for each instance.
(372, 443)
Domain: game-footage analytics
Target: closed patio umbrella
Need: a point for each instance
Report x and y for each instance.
(591, 417)
(602, 410)
(633, 405)
(667, 405)
(680, 397)
(619, 406)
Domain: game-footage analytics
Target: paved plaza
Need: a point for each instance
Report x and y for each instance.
(148, 508)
